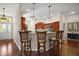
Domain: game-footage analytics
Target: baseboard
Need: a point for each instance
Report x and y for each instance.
(17, 44)
(6, 39)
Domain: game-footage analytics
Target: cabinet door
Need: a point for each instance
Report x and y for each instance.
(75, 36)
(70, 36)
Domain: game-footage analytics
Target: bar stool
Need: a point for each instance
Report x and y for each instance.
(41, 40)
(25, 42)
(61, 41)
(52, 43)
(55, 41)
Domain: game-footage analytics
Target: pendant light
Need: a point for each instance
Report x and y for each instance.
(49, 11)
(33, 17)
(3, 17)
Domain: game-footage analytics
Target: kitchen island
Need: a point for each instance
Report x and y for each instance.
(33, 37)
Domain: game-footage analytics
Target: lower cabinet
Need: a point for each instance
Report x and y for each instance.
(72, 36)
(73, 39)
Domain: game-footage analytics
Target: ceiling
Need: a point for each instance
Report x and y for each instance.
(10, 8)
(56, 7)
(25, 6)
(42, 9)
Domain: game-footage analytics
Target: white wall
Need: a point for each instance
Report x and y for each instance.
(16, 26)
(74, 18)
(69, 19)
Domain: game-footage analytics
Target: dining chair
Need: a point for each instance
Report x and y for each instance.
(25, 42)
(41, 40)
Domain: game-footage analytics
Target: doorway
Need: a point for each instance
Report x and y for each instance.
(6, 29)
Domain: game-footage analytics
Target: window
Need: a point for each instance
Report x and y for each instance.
(3, 28)
(9, 27)
(5, 25)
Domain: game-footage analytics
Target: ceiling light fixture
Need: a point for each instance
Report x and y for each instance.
(28, 10)
(50, 15)
(3, 17)
(49, 11)
(38, 17)
(72, 12)
(44, 17)
(33, 17)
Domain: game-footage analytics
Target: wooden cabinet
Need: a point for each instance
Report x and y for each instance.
(40, 25)
(23, 25)
(54, 26)
(72, 36)
(73, 39)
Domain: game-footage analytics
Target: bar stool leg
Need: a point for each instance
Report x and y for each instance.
(21, 49)
(30, 48)
(38, 49)
(44, 49)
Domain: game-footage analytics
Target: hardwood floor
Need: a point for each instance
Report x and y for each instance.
(70, 48)
(8, 48)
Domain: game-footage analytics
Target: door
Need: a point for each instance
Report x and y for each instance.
(5, 31)
(6, 28)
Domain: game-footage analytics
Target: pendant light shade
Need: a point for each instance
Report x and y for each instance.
(49, 11)
(33, 17)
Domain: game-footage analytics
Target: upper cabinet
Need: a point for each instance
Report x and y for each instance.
(40, 25)
(23, 25)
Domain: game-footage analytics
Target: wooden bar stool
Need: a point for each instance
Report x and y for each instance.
(41, 40)
(60, 40)
(52, 41)
(25, 42)
(60, 37)
(55, 41)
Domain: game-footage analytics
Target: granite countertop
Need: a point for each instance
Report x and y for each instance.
(73, 39)
(42, 31)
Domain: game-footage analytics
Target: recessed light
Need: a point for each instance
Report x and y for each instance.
(44, 17)
(28, 10)
(72, 12)
(24, 16)
(51, 14)
(38, 17)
